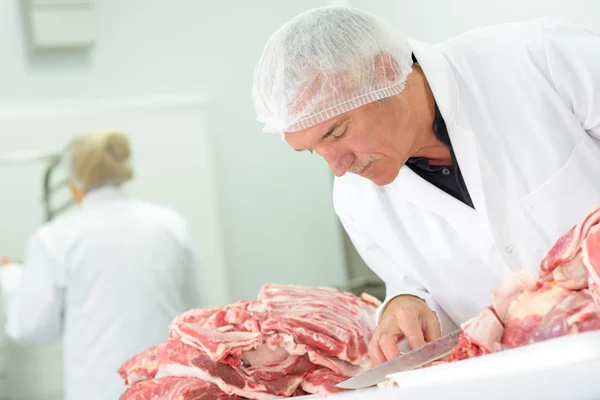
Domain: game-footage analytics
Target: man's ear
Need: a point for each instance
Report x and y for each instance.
(386, 68)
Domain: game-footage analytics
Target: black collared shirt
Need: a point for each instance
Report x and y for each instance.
(445, 177)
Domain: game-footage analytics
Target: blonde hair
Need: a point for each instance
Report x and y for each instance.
(99, 159)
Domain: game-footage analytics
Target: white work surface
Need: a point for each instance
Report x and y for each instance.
(563, 368)
(579, 382)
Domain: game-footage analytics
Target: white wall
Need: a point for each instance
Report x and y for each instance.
(435, 20)
(274, 202)
(275, 205)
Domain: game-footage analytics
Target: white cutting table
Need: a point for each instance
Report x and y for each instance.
(563, 368)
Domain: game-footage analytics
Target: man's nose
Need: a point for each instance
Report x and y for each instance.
(338, 162)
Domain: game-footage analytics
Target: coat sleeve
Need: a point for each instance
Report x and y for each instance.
(33, 301)
(397, 281)
(573, 57)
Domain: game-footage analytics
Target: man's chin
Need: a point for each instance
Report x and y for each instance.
(383, 179)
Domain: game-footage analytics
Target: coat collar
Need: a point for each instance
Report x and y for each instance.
(415, 189)
(104, 193)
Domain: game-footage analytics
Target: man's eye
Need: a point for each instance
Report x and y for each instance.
(340, 136)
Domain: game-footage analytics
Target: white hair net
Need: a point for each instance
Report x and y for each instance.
(325, 62)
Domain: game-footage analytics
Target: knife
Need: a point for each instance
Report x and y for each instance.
(429, 352)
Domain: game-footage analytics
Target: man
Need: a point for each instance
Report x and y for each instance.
(467, 159)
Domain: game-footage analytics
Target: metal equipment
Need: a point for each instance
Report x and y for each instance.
(52, 160)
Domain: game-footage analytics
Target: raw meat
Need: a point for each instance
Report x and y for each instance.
(572, 274)
(175, 358)
(332, 327)
(525, 310)
(510, 289)
(290, 341)
(591, 259)
(481, 335)
(576, 313)
(175, 388)
(225, 334)
(566, 249)
(332, 322)
(322, 381)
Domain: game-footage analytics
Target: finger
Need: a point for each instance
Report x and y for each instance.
(388, 342)
(431, 327)
(410, 324)
(375, 354)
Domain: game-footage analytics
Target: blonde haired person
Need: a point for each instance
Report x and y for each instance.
(107, 277)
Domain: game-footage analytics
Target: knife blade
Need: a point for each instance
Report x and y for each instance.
(429, 352)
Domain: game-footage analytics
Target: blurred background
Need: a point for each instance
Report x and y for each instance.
(176, 76)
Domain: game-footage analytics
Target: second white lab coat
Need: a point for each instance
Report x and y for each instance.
(109, 278)
(522, 105)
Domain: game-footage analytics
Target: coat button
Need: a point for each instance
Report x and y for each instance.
(509, 249)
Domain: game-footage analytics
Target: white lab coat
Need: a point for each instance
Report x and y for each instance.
(522, 105)
(108, 277)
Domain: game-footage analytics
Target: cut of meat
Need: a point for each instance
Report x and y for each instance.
(465, 349)
(579, 313)
(322, 381)
(300, 392)
(292, 340)
(145, 365)
(154, 361)
(175, 358)
(485, 331)
(226, 347)
(336, 365)
(591, 260)
(565, 301)
(265, 361)
(572, 274)
(176, 388)
(224, 333)
(526, 312)
(331, 322)
(510, 289)
(567, 246)
(481, 335)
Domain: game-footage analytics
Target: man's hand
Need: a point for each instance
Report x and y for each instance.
(407, 317)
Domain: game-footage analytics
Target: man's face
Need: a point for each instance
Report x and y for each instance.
(372, 141)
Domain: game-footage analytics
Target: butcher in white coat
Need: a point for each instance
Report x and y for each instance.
(456, 163)
(107, 277)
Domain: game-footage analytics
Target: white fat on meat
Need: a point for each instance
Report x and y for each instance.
(505, 293)
(568, 245)
(258, 392)
(265, 355)
(526, 313)
(572, 274)
(538, 302)
(336, 365)
(322, 382)
(217, 344)
(485, 330)
(591, 260)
